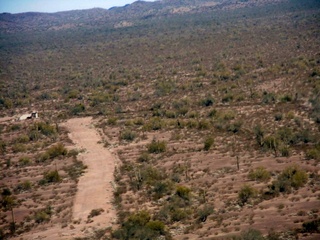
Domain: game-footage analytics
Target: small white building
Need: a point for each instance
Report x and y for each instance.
(28, 116)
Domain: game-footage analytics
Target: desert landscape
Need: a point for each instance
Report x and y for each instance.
(196, 119)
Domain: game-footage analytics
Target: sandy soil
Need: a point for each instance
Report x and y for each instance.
(94, 189)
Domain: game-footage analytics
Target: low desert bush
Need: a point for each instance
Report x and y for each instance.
(43, 215)
(157, 146)
(77, 109)
(162, 188)
(251, 234)
(204, 212)
(245, 193)
(154, 124)
(50, 177)
(259, 174)
(75, 170)
(183, 192)
(24, 186)
(95, 212)
(23, 139)
(56, 151)
(19, 147)
(112, 121)
(128, 135)
(234, 127)
(312, 226)
(3, 146)
(140, 226)
(144, 157)
(291, 177)
(24, 161)
(314, 153)
(208, 143)
(44, 128)
(207, 101)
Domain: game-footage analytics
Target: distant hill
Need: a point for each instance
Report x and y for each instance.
(114, 17)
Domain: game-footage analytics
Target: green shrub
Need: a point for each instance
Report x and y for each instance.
(154, 124)
(19, 147)
(259, 174)
(251, 234)
(3, 146)
(128, 135)
(204, 212)
(157, 226)
(212, 113)
(227, 115)
(207, 101)
(138, 121)
(286, 98)
(170, 114)
(284, 151)
(112, 121)
(227, 98)
(140, 226)
(144, 174)
(157, 146)
(208, 142)
(286, 135)
(43, 157)
(43, 215)
(24, 186)
(23, 139)
(164, 87)
(183, 192)
(278, 117)
(144, 157)
(312, 226)
(295, 175)
(234, 127)
(50, 177)
(44, 128)
(178, 214)
(203, 124)
(95, 212)
(140, 218)
(24, 161)
(73, 153)
(56, 151)
(8, 200)
(161, 188)
(75, 170)
(313, 153)
(15, 127)
(291, 177)
(268, 98)
(191, 124)
(77, 109)
(245, 193)
(259, 134)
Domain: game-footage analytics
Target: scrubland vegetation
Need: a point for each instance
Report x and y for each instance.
(214, 113)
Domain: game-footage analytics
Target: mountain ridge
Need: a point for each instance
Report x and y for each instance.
(135, 12)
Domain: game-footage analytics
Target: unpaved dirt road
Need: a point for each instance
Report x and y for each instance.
(94, 189)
